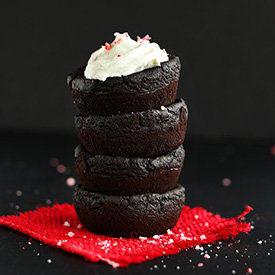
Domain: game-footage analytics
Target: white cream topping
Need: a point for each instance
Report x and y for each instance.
(124, 56)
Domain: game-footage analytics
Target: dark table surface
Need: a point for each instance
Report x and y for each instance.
(25, 166)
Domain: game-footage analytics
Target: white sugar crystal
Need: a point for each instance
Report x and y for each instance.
(19, 193)
(70, 234)
(66, 224)
(206, 256)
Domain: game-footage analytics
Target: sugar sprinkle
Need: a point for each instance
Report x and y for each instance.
(226, 182)
(18, 193)
(70, 181)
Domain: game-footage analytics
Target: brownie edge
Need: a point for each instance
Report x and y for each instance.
(148, 89)
(141, 134)
(128, 176)
(128, 216)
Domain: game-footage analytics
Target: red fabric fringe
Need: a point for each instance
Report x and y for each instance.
(59, 226)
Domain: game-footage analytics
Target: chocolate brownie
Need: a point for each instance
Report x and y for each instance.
(148, 89)
(129, 216)
(128, 176)
(143, 134)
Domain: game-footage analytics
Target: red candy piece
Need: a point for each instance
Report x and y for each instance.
(119, 37)
(145, 38)
(139, 40)
(107, 46)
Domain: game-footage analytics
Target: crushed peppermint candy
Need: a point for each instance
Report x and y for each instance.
(70, 234)
(169, 232)
(18, 193)
(48, 202)
(66, 224)
(107, 46)
(119, 36)
(79, 226)
(145, 38)
(226, 182)
(70, 181)
(206, 256)
(60, 168)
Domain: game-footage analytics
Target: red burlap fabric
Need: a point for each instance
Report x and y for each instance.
(59, 226)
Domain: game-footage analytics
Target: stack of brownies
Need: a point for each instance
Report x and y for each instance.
(130, 157)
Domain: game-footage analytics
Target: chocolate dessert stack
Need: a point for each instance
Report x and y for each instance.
(130, 157)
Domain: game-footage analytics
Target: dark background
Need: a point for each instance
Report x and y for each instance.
(227, 54)
(226, 49)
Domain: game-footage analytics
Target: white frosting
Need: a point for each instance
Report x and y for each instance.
(124, 56)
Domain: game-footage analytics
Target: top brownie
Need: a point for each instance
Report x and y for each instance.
(147, 89)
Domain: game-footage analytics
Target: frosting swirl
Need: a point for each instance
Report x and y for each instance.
(124, 56)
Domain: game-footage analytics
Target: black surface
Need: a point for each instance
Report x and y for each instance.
(24, 165)
(226, 50)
